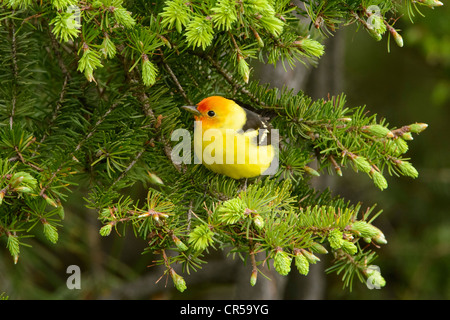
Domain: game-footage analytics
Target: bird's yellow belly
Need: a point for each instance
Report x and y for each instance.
(233, 154)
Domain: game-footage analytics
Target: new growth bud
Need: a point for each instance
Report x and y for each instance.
(407, 169)
(178, 280)
(310, 46)
(49, 200)
(318, 248)
(368, 232)
(400, 146)
(362, 164)
(154, 178)
(22, 178)
(23, 189)
(50, 232)
(243, 68)
(253, 278)
(258, 221)
(417, 127)
(282, 262)
(431, 3)
(379, 238)
(301, 262)
(335, 239)
(311, 171)
(180, 245)
(149, 71)
(375, 34)
(407, 136)
(106, 230)
(378, 179)
(201, 237)
(397, 37)
(349, 247)
(374, 277)
(258, 38)
(231, 211)
(378, 131)
(310, 256)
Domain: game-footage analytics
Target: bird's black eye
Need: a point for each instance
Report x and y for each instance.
(211, 113)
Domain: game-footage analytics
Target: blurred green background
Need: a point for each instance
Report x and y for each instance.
(406, 85)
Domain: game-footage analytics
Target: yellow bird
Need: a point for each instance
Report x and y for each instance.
(230, 139)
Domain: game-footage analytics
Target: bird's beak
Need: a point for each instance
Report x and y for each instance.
(192, 109)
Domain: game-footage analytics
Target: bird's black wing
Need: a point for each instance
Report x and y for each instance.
(256, 122)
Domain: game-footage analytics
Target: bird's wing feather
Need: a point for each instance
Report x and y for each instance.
(257, 123)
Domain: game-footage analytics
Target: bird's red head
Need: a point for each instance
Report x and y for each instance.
(214, 112)
(214, 103)
(218, 113)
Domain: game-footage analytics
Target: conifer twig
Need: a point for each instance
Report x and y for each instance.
(177, 83)
(56, 51)
(252, 254)
(230, 79)
(55, 112)
(132, 78)
(15, 71)
(21, 158)
(166, 146)
(132, 163)
(336, 166)
(189, 217)
(79, 145)
(94, 128)
(143, 98)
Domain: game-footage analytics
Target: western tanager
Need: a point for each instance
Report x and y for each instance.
(230, 139)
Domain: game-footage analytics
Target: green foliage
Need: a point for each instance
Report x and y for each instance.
(282, 262)
(96, 109)
(199, 32)
(176, 13)
(201, 237)
(225, 14)
(89, 61)
(66, 26)
(63, 4)
(301, 263)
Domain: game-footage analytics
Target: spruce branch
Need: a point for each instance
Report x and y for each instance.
(252, 253)
(177, 83)
(94, 128)
(15, 71)
(146, 107)
(229, 78)
(56, 50)
(55, 111)
(135, 160)
(71, 155)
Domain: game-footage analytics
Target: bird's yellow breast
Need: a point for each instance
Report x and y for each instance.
(231, 152)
